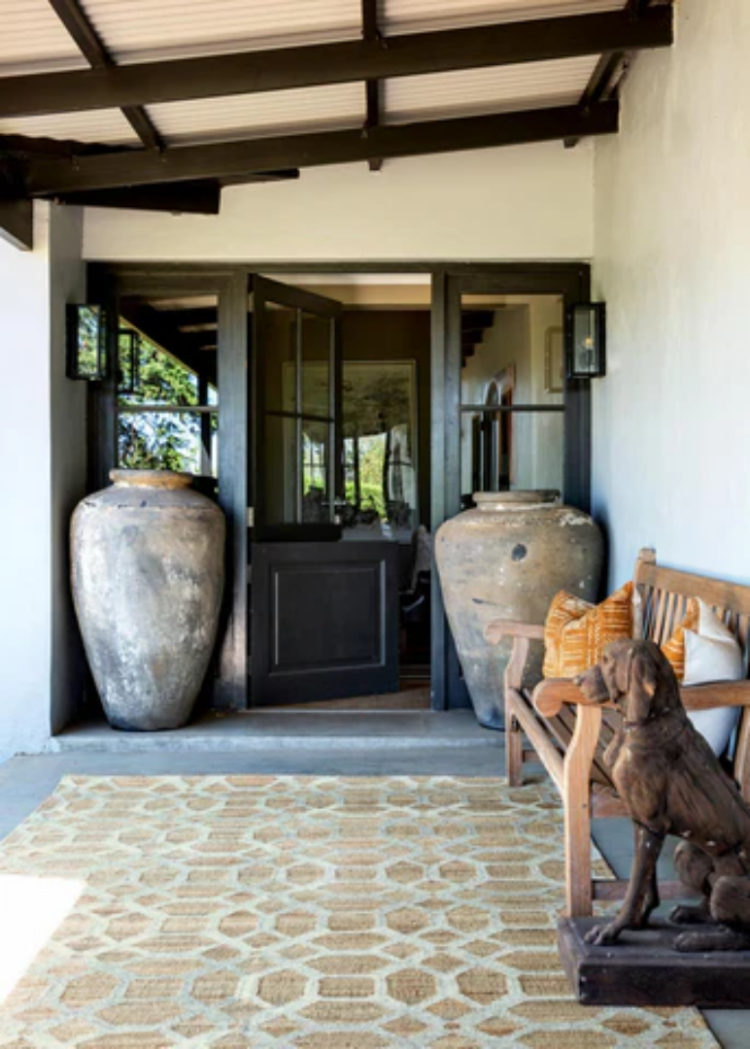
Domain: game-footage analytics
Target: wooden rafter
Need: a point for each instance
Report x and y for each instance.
(47, 176)
(16, 223)
(73, 17)
(371, 33)
(354, 60)
(612, 65)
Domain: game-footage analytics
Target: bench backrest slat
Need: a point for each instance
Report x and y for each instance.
(665, 593)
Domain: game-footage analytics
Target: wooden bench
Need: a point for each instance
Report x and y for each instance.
(569, 735)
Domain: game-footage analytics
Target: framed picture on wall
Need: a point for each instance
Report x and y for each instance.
(554, 360)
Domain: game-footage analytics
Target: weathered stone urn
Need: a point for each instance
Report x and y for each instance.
(148, 575)
(506, 559)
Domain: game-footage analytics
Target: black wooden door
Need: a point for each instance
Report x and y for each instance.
(324, 611)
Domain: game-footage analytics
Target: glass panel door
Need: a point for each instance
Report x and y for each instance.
(296, 409)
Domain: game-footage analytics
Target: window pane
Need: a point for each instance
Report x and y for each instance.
(511, 450)
(512, 349)
(316, 380)
(281, 471)
(184, 441)
(168, 351)
(315, 472)
(380, 437)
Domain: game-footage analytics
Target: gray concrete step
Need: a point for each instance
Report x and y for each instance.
(317, 730)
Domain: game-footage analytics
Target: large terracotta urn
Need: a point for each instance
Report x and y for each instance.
(148, 575)
(506, 559)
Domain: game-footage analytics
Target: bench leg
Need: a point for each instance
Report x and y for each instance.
(577, 802)
(513, 733)
(513, 748)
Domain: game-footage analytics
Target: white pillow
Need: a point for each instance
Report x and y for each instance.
(713, 654)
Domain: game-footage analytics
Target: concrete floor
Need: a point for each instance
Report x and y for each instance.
(396, 745)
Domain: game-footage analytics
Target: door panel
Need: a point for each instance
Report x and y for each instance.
(324, 612)
(325, 621)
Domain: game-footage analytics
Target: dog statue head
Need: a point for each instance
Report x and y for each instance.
(636, 677)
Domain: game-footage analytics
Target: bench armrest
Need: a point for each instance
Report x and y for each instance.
(500, 628)
(551, 694)
(717, 694)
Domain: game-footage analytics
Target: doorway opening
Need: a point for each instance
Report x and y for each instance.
(339, 481)
(338, 418)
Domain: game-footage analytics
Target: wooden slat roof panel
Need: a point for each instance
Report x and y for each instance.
(139, 30)
(471, 92)
(34, 40)
(413, 16)
(105, 126)
(326, 108)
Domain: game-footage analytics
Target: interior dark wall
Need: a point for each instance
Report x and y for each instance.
(394, 335)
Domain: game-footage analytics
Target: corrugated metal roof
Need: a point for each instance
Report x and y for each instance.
(255, 116)
(412, 16)
(147, 29)
(107, 126)
(33, 39)
(493, 90)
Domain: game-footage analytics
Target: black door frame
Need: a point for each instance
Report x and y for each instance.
(107, 282)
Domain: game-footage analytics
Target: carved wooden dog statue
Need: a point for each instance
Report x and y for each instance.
(672, 783)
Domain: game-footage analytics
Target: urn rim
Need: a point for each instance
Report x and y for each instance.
(123, 478)
(521, 499)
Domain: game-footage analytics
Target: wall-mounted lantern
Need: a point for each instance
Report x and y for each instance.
(585, 341)
(85, 343)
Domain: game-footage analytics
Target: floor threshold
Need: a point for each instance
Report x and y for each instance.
(271, 729)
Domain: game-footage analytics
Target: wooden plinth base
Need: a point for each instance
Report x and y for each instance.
(643, 969)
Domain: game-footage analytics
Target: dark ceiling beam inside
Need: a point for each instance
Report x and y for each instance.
(17, 223)
(47, 177)
(371, 33)
(354, 60)
(183, 318)
(73, 17)
(155, 326)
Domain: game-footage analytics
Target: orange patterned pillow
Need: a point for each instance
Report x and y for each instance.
(576, 632)
(674, 648)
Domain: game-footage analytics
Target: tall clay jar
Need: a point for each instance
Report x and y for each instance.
(506, 559)
(148, 575)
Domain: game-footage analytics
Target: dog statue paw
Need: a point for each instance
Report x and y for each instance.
(717, 938)
(603, 935)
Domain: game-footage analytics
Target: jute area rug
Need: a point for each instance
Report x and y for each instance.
(310, 912)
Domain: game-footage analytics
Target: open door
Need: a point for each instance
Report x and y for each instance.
(324, 612)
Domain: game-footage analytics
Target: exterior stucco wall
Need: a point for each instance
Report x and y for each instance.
(672, 261)
(44, 456)
(530, 202)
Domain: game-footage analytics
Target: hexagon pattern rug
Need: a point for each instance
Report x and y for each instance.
(305, 912)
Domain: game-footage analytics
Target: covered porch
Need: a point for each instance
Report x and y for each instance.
(570, 151)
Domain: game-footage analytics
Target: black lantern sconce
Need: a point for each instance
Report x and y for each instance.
(85, 343)
(585, 341)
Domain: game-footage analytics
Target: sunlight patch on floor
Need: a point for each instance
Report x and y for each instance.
(31, 909)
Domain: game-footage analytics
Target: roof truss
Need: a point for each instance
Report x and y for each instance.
(190, 177)
(372, 58)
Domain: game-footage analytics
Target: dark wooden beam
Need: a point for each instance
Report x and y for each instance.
(191, 78)
(611, 66)
(73, 17)
(477, 318)
(17, 223)
(51, 177)
(184, 317)
(371, 33)
(198, 198)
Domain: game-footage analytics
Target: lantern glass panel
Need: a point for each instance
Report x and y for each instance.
(85, 342)
(585, 343)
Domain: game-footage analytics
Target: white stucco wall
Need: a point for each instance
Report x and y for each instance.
(25, 609)
(42, 448)
(530, 202)
(672, 261)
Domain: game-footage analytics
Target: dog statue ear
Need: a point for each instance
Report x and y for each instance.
(642, 685)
